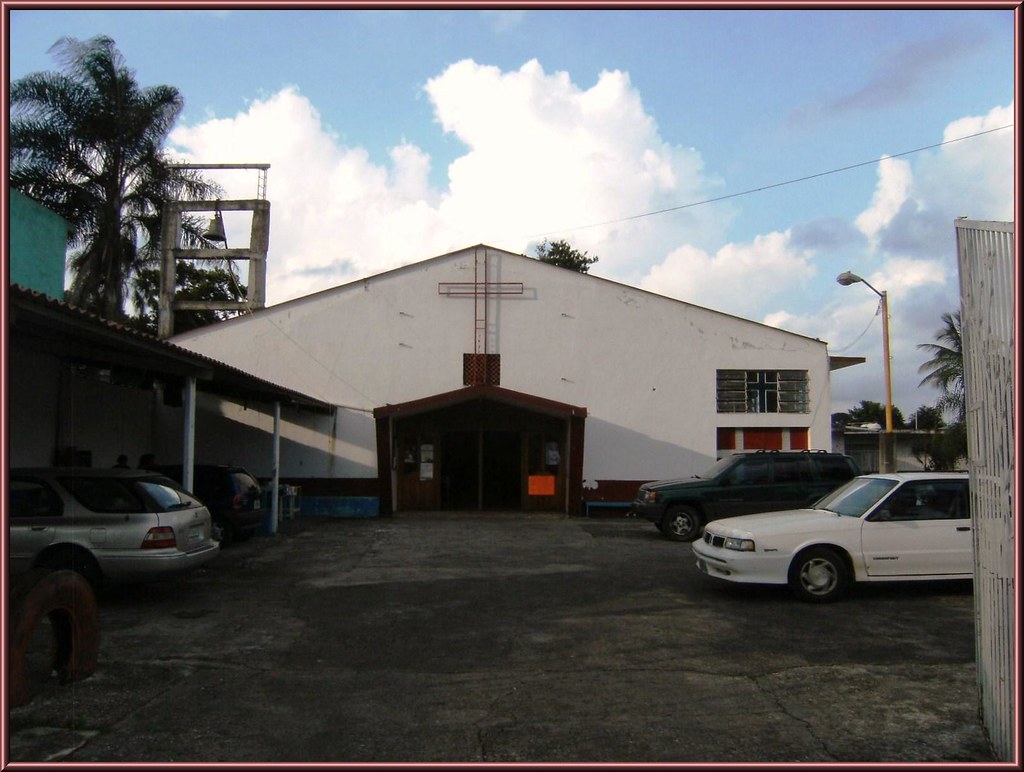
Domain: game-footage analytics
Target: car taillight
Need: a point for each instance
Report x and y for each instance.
(159, 538)
(237, 503)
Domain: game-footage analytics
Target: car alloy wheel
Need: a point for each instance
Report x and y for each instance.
(681, 523)
(819, 575)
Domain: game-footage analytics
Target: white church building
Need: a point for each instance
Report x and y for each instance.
(483, 379)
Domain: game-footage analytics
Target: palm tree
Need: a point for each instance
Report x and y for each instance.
(945, 370)
(87, 143)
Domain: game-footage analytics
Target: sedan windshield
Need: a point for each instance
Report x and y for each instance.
(857, 496)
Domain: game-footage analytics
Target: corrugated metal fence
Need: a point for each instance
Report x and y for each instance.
(987, 283)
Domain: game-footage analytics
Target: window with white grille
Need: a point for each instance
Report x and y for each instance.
(763, 391)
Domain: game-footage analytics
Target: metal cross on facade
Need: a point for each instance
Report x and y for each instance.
(480, 289)
(763, 391)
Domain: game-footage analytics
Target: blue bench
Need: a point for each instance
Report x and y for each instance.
(588, 505)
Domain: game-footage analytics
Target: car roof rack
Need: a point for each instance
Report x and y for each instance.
(792, 450)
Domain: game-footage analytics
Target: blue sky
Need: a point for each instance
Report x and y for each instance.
(397, 135)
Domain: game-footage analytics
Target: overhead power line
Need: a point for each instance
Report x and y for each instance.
(774, 185)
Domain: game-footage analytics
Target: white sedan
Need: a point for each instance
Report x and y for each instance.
(875, 528)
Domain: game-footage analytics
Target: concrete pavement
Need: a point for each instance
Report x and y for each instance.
(508, 638)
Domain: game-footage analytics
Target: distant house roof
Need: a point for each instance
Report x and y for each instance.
(83, 337)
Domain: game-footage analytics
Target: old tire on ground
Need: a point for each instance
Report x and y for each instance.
(66, 602)
(819, 575)
(681, 523)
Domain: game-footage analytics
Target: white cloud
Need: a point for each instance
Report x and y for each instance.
(545, 155)
(902, 275)
(972, 178)
(909, 222)
(334, 214)
(894, 178)
(542, 156)
(770, 263)
(916, 201)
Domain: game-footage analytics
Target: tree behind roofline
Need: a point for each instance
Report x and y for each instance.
(927, 418)
(562, 254)
(193, 283)
(87, 144)
(867, 412)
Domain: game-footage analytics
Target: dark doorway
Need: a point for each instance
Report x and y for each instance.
(502, 461)
(460, 481)
(481, 470)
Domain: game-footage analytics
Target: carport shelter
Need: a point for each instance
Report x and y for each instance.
(83, 390)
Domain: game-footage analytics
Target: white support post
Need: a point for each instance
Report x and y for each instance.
(189, 440)
(276, 489)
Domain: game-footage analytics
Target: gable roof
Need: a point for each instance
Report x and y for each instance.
(481, 393)
(420, 264)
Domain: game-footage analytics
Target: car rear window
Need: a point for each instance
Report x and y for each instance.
(245, 483)
(104, 494)
(165, 495)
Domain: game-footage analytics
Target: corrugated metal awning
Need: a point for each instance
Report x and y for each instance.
(82, 337)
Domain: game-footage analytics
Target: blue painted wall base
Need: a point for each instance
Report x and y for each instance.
(339, 506)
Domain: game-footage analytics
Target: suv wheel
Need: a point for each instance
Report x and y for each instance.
(681, 523)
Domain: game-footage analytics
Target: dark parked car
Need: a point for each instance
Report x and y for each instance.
(741, 484)
(110, 525)
(232, 495)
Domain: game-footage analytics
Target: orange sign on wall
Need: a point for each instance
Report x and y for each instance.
(541, 485)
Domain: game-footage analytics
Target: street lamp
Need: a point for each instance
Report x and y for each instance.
(846, 278)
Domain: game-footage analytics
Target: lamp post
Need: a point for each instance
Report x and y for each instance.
(888, 456)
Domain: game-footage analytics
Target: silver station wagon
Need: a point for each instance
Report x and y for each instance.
(111, 525)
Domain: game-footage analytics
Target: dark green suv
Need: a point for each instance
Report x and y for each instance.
(741, 484)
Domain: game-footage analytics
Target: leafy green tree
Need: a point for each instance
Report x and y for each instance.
(562, 254)
(193, 283)
(87, 143)
(942, 451)
(945, 370)
(927, 418)
(874, 412)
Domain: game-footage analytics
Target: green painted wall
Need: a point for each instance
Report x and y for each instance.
(38, 246)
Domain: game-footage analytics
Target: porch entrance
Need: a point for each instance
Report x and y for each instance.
(481, 448)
